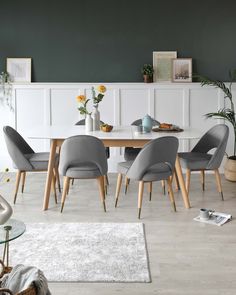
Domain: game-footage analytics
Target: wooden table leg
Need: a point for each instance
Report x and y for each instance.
(49, 174)
(181, 183)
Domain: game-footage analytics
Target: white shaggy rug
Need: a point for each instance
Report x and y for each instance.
(84, 252)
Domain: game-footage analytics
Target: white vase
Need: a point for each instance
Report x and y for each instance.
(5, 210)
(88, 123)
(96, 118)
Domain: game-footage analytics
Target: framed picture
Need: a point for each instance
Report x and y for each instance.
(182, 70)
(19, 69)
(162, 65)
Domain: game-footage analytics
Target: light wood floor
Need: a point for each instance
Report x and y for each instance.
(186, 257)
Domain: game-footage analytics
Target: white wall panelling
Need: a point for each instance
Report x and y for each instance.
(55, 104)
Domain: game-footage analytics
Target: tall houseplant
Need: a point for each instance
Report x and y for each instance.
(228, 114)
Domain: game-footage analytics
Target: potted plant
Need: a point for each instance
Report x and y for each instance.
(228, 114)
(147, 71)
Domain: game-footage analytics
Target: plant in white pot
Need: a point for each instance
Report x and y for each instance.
(228, 114)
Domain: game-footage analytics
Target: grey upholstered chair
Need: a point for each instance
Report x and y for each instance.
(106, 181)
(199, 159)
(155, 162)
(25, 159)
(83, 157)
(131, 152)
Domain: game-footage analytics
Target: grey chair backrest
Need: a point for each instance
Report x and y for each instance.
(139, 122)
(17, 148)
(82, 149)
(216, 137)
(82, 122)
(160, 150)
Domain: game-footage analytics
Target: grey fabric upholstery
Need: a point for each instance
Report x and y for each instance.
(130, 152)
(82, 122)
(156, 161)
(83, 156)
(23, 156)
(199, 158)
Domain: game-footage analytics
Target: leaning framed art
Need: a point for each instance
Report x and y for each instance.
(162, 65)
(182, 70)
(19, 69)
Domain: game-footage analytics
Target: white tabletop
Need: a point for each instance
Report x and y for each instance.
(118, 132)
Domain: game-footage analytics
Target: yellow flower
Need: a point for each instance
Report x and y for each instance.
(101, 89)
(81, 98)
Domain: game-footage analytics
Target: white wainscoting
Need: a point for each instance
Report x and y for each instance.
(55, 104)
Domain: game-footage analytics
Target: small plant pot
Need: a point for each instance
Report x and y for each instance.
(230, 169)
(147, 79)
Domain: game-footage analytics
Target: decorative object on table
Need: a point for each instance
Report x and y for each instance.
(5, 207)
(83, 111)
(226, 113)
(6, 90)
(89, 252)
(88, 123)
(166, 127)
(182, 70)
(106, 127)
(212, 217)
(19, 69)
(147, 72)
(97, 98)
(162, 65)
(147, 123)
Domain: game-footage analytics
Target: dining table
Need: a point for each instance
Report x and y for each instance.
(120, 136)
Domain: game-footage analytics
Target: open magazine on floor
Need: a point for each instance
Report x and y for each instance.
(216, 218)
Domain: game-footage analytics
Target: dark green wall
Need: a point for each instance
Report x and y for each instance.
(109, 40)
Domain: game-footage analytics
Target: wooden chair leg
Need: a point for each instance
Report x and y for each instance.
(150, 190)
(163, 186)
(101, 190)
(68, 187)
(127, 181)
(171, 194)
(18, 176)
(140, 197)
(176, 180)
(107, 180)
(188, 176)
(58, 179)
(218, 183)
(54, 186)
(64, 193)
(118, 186)
(105, 184)
(203, 179)
(23, 181)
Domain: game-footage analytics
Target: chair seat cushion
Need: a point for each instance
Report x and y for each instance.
(131, 153)
(160, 171)
(39, 161)
(194, 161)
(83, 170)
(123, 167)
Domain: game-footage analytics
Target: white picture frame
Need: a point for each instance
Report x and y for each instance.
(19, 69)
(182, 70)
(162, 65)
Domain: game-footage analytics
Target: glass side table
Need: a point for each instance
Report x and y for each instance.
(9, 231)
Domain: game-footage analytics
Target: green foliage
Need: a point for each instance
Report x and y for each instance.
(83, 109)
(147, 70)
(227, 114)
